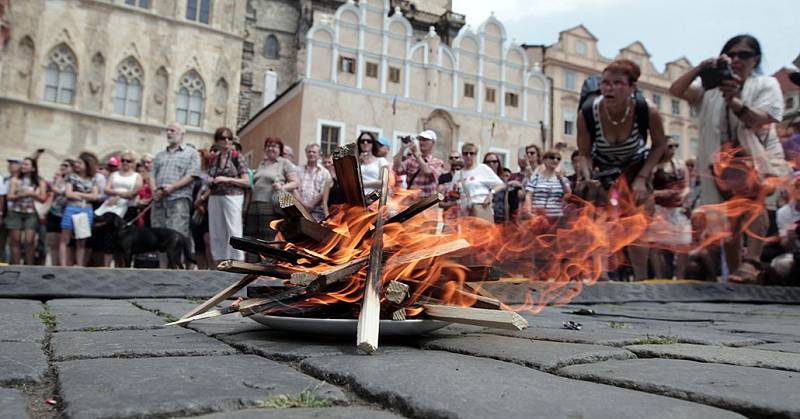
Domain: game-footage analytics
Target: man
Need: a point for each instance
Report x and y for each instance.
(453, 161)
(785, 269)
(173, 172)
(421, 169)
(313, 179)
(14, 165)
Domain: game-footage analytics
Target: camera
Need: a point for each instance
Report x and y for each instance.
(406, 139)
(712, 77)
(607, 177)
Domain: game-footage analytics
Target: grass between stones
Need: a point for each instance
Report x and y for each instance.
(657, 340)
(618, 325)
(306, 398)
(48, 318)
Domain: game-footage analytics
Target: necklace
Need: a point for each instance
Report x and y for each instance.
(624, 117)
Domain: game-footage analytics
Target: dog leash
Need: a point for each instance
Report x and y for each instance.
(141, 214)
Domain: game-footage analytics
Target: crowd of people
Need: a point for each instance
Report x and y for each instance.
(211, 195)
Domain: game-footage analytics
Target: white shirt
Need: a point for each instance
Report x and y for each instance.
(4, 186)
(372, 171)
(786, 217)
(478, 182)
(119, 183)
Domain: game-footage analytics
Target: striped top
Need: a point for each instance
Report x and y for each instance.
(623, 153)
(547, 194)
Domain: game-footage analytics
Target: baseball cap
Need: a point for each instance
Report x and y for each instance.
(384, 142)
(113, 162)
(14, 160)
(429, 134)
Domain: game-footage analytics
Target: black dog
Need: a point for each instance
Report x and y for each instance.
(129, 241)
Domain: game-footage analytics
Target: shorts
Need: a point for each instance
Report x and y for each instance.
(69, 211)
(22, 221)
(53, 223)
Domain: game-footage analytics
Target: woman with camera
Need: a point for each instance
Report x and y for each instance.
(738, 109)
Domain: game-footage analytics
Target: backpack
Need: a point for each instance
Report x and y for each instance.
(591, 89)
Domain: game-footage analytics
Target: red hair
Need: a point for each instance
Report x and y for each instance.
(625, 66)
(274, 140)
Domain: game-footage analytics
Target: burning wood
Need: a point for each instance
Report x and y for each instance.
(348, 172)
(477, 316)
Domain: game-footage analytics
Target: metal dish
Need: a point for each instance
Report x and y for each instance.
(347, 327)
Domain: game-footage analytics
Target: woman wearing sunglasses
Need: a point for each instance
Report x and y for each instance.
(479, 184)
(738, 109)
(369, 150)
(122, 187)
(546, 189)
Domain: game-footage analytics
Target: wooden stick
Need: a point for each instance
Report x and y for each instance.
(330, 276)
(221, 296)
(399, 314)
(257, 246)
(236, 266)
(499, 319)
(438, 250)
(292, 207)
(207, 315)
(348, 172)
(369, 318)
(301, 229)
(416, 208)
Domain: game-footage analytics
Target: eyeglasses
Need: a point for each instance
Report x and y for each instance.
(469, 153)
(531, 153)
(454, 157)
(126, 160)
(672, 146)
(742, 55)
(556, 158)
(492, 161)
(365, 141)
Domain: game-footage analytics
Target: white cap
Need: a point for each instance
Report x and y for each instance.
(429, 134)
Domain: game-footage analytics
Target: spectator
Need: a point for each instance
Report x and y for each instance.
(500, 205)
(371, 163)
(479, 184)
(384, 147)
(121, 189)
(112, 165)
(447, 177)
(421, 168)
(785, 269)
(22, 219)
(288, 153)
(573, 178)
(227, 181)
(332, 195)
(451, 187)
(145, 196)
(690, 203)
(313, 178)
(13, 169)
(274, 174)
(199, 225)
(81, 190)
(173, 171)
(55, 213)
(546, 189)
(739, 111)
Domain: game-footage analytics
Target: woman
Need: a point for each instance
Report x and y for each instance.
(199, 224)
(479, 183)
(741, 112)
(121, 189)
(22, 220)
(670, 227)
(56, 211)
(81, 189)
(617, 145)
(371, 162)
(274, 174)
(499, 201)
(227, 182)
(145, 197)
(546, 189)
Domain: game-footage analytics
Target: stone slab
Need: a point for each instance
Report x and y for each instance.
(305, 413)
(440, 384)
(752, 391)
(791, 347)
(162, 387)
(20, 322)
(135, 344)
(22, 363)
(12, 404)
(91, 314)
(542, 355)
(47, 282)
(721, 355)
(173, 307)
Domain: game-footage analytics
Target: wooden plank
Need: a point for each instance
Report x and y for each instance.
(236, 266)
(348, 173)
(221, 296)
(262, 248)
(207, 315)
(292, 207)
(301, 230)
(499, 319)
(429, 253)
(329, 276)
(416, 208)
(369, 318)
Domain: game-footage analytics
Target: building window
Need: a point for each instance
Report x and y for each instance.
(693, 147)
(789, 103)
(693, 112)
(657, 101)
(569, 80)
(128, 93)
(372, 70)
(676, 107)
(469, 90)
(569, 122)
(59, 82)
(347, 65)
(329, 139)
(191, 99)
(490, 94)
(512, 99)
(198, 10)
(271, 47)
(144, 4)
(580, 48)
(394, 74)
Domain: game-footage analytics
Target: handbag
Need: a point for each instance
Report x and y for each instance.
(80, 225)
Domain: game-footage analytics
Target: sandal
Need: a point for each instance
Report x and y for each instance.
(749, 272)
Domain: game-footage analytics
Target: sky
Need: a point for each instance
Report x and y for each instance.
(696, 29)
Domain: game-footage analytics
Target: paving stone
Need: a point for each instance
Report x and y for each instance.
(91, 314)
(12, 404)
(792, 347)
(752, 391)
(226, 325)
(161, 387)
(436, 384)
(21, 363)
(173, 307)
(541, 355)
(303, 413)
(613, 292)
(721, 355)
(20, 322)
(763, 327)
(135, 344)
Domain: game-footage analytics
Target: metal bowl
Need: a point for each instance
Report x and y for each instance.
(347, 327)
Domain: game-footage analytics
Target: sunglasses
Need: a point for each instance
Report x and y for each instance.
(672, 146)
(469, 153)
(225, 139)
(454, 157)
(126, 160)
(742, 55)
(365, 141)
(556, 158)
(147, 161)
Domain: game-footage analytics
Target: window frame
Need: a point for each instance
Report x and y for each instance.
(371, 65)
(394, 74)
(570, 80)
(321, 124)
(569, 117)
(62, 63)
(350, 67)
(490, 94)
(277, 48)
(675, 105)
(512, 100)
(190, 100)
(197, 14)
(129, 82)
(471, 90)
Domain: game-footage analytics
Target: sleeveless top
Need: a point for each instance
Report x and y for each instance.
(623, 153)
(24, 205)
(119, 183)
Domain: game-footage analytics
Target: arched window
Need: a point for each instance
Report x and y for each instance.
(128, 93)
(191, 99)
(271, 47)
(60, 75)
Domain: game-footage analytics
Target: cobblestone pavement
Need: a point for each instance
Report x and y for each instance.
(107, 356)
